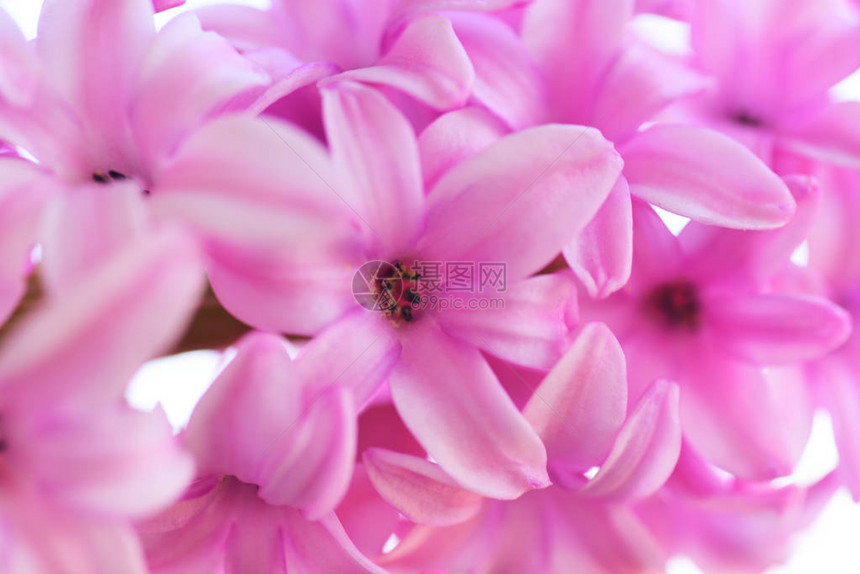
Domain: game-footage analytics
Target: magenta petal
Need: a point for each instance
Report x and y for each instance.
(832, 135)
(521, 200)
(656, 252)
(705, 176)
(454, 137)
(602, 255)
(507, 82)
(90, 339)
(646, 450)
(579, 407)
(322, 546)
(419, 489)
(310, 463)
(427, 61)
(452, 402)
(365, 131)
(196, 72)
(774, 329)
(531, 330)
(161, 5)
(222, 434)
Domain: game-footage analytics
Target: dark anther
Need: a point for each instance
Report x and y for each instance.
(116, 176)
(407, 313)
(100, 177)
(747, 119)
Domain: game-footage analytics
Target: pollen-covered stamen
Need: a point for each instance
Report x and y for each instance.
(108, 176)
(396, 290)
(675, 304)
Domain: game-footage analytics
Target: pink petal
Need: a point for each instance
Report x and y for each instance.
(427, 61)
(24, 190)
(751, 423)
(196, 72)
(255, 543)
(455, 136)
(358, 351)
(831, 136)
(647, 448)
(775, 329)
(639, 84)
(366, 517)
(85, 227)
(726, 255)
(657, 254)
(94, 71)
(530, 330)
(310, 463)
(323, 546)
(250, 187)
(521, 200)
(456, 408)
(601, 256)
(705, 176)
(121, 463)
(419, 489)
(579, 407)
(245, 27)
(364, 132)
(92, 337)
(247, 408)
(574, 68)
(161, 5)
(20, 68)
(507, 82)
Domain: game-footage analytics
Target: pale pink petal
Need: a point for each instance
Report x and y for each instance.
(716, 254)
(24, 191)
(427, 61)
(121, 463)
(196, 72)
(836, 386)
(87, 225)
(775, 329)
(601, 256)
(521, 200)
(573, 68)
(831, 136)
(91, 51)
(245, 27)
(456, 408)
(358, 351)
(526, 324)
(246, 409)
(20, 68)
(91, 338)
(310, 463)
(835, 233)
(679, 9)
(647, 448)
(322, 546)
(365, 131)
(639, 84)
(580, 406)
(419, 489)
(507, 82)
(455, 136)
(706, 176)
(751, 423)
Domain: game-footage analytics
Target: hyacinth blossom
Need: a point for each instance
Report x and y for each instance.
(457, 330)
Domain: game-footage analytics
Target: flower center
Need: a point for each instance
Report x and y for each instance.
(110, 176)
(395, 290)
(675, 304)
(748, 119)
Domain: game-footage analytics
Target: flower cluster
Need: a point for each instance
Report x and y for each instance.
(431, 238)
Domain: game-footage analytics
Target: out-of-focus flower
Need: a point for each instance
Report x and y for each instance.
(274, 458)
(702, 309)
(76, 462)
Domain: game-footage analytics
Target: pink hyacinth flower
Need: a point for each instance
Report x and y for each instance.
(703, 310)
(598, 75)
(77, 463)
(774, 63)
(274, 458)
(580, 412)
(517, 203)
